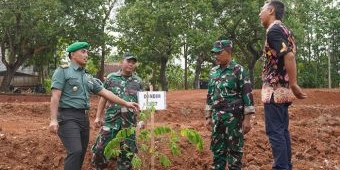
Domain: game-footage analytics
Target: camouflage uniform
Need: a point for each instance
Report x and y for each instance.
(116, 118)
(229, 98)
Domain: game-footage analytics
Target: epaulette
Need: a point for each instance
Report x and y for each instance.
(64, 66)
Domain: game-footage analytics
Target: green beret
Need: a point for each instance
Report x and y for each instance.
(219, 45)
(77, 46)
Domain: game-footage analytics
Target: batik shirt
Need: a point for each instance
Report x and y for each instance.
(227, 85)
(125, 88)
(279, 42)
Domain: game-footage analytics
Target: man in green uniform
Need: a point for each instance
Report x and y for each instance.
(71, 87)
(228, 108)
(124, 84)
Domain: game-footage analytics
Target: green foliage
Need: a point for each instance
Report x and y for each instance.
(36, 32)
(193, 137)
(136, 161)
(316, 29)
(27, 28)
(147, 112)
(257, 84)
(113, 147)
(46, 27)
(164, 160)
(161, 130)
(47, 85)
(158, 32)
(164, 134)
(92, 67)
(175, 150)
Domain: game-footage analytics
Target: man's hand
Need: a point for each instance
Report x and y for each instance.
(141, 124)
(208, 119)
(133, 105)
(298, 92)
(98, 122)
(53, 127)
(208, 124)
(246, 126)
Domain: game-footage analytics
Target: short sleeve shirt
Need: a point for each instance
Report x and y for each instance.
(124, 87)
(279, 42)
(76, 86)
(229, 84)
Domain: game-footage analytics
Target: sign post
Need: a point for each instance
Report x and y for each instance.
(149, 99)
(152, 99)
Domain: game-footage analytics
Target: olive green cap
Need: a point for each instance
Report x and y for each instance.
(77, 46)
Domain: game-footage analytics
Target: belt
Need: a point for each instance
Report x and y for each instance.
(85, 111)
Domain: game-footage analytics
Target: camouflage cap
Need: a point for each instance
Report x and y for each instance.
(219, 45)
(77, 46)
(128, 55)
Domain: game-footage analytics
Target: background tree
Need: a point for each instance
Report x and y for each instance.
(47, 27)
(162, 32)
(30, 27)
(318, 39)
(152, 30)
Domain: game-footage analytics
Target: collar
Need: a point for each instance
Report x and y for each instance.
(119, 73)
(75, 66)
(231, 65)
(273, 23)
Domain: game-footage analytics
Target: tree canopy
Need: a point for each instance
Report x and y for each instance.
(165, 33)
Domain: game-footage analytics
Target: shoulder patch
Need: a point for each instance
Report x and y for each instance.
(64, 66)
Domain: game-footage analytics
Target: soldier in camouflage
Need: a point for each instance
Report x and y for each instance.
(124, 84)
(228, 108)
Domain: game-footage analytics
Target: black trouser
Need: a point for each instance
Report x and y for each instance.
(74, 133)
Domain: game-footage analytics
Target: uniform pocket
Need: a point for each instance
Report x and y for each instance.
(132, 87)
(73, 81)
(74, 84)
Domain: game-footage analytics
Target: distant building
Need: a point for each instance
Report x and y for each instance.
(24, 77)
(111, 67)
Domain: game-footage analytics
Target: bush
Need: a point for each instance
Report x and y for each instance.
(47, 85)
(167, 135)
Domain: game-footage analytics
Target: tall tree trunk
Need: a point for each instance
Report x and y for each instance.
(6, 81)
(16, 58)
(100, 74)
(198, 71)
(11, 68)
(255, 55)
(162, 75)
(185, 66)
(251, 66)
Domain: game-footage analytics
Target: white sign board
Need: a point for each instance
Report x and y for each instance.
(147, 99)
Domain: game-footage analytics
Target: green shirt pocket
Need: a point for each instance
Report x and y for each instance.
(74, 84)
